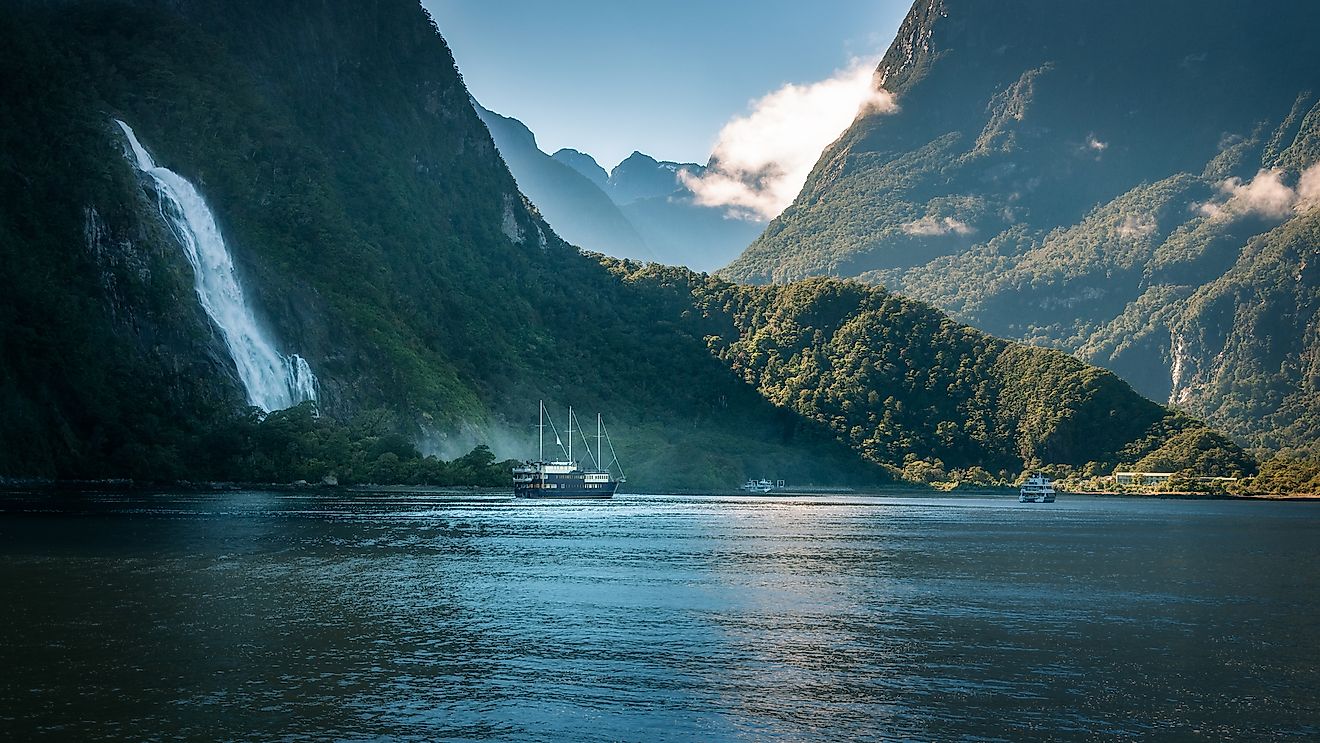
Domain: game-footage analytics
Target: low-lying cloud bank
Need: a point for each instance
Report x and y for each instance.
(935, 227)
(762, 159)
(1135, 227)
(1265, 195)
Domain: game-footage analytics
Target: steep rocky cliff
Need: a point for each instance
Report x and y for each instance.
(376, 230)
(1127, 181)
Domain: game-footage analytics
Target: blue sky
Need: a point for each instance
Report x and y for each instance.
(661, 77)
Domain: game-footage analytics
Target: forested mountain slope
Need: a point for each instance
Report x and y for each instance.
(1132, 182)
(911, 389)
(377, 232)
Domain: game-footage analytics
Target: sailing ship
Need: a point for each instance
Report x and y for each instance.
(758, 486)
(565, 478)
(1037, 489)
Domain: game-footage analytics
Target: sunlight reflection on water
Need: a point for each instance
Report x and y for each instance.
(305, 617)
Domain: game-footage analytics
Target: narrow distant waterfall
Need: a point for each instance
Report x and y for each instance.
(273, 381)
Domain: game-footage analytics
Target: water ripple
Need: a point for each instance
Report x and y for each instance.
(258, 615)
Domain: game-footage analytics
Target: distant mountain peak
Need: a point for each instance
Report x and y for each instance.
(511, 126)
(637, 157)
(584, 164)
(572, 201)
(641, 176)
(641, 211)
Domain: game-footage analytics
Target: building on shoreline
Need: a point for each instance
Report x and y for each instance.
(1143, 478)
(1162, 478)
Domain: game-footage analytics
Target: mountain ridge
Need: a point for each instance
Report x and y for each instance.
(570, 201)
(1042, 193)
(584, 164)
(647, 194)
(377, 230)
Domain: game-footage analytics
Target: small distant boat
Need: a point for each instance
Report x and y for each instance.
(758, 486)
(564, 478)
(1037, 489)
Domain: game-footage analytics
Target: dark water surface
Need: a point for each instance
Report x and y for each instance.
(286, 617)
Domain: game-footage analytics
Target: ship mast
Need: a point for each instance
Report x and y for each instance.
(600, 454)
(541, 427)
(570, 433)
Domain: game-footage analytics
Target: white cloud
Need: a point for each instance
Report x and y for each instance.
(1265, 195)
(935, 226)
(1096, 144)
(762, 159)
(1308, 188)
(1137, 226)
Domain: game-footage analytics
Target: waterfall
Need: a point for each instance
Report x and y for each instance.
(273, 381)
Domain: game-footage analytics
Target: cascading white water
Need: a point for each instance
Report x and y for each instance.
(273, 381)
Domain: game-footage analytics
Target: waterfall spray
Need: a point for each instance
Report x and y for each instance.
(272, 381)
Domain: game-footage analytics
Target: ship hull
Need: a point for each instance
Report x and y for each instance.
(568, 486)
(563, 495)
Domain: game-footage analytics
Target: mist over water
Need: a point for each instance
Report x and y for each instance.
(517, 439)
(364, 616)
(506, 441)
(272, 381)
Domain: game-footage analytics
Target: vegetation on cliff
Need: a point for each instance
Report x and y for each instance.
(927, 398)
(1140, 195)
(296, 444)
(379, 234)
(1286, 474)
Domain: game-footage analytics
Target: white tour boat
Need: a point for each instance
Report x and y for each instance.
(1037, 489)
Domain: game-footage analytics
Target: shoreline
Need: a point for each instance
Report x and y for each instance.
(133, 486)
(15, 485)
(1188, 495)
